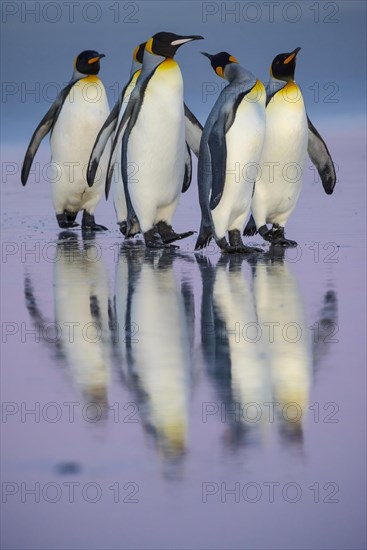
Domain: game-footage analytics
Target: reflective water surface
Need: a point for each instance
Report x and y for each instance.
(177, 400)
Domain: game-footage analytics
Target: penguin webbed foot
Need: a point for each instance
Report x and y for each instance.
(89, 223)
(225, 247)
(265, 233)
(242, 250)
(99, 227)
(281, 241)
(153, 240)
(94, 227)
(169, 235)
(236, 244)
(248, 250)
(276, 236)
(66, 220)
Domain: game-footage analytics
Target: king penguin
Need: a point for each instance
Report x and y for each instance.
(289, 134)
(230, 151)
(153, 131)
(112, 125)
(74, 120)
(108, 130)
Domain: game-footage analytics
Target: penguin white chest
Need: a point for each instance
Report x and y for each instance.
(245, 139)
(285, 149)
(244, 143)
(156, 146)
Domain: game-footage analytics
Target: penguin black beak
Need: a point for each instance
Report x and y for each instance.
(296, 50)
(101, 55)
(208, 55)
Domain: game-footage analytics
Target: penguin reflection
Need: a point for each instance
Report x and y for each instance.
(325, 329)
(277, 368)
(287, 345)
(80, 286)
(290, 353)
(233, 355)
(153, 343)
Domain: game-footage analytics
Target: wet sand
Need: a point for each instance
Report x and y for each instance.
(160, 419)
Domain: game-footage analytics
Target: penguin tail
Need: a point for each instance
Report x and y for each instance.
(205, 236)
(250, 229)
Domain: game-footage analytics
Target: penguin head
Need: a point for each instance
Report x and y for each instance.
(139, 53)
(220, 61)
(87, 62)
(166, 44)
(284, 65)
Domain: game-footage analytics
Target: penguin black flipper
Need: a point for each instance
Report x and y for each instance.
(44, 127)
(99, 145)
(193, 131)
(321, 158)
(188, 170)
(218, 154)
(211, 178)
(218, 148)
(114, 149)
(204, 185)
(104, 134)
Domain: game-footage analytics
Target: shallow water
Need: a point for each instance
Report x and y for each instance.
(182, 400)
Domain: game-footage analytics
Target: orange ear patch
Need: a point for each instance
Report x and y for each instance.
(135, 53)
(149, 45)
(219, 71)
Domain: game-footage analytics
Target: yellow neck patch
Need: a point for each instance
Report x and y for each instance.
(257, 93)
(167, 64)
(90, 79)
(291, 93)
